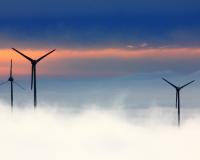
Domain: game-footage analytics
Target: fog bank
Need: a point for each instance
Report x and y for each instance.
(112, 134)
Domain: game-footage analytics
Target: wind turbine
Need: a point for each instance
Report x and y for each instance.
(11, 80)
(178, 89)
(34, 74)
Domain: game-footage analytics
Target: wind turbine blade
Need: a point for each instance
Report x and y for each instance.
(39, 59)
(176, 99)
(19, 85)
(11, 68)
(3, 83)
(169, 83)
(32, 76)
(23, 55)
(187, 84)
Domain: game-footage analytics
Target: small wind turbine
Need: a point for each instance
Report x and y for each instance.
(178, 95)
(11, 80)
(34, 74)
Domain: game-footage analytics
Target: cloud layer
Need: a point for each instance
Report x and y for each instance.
(97, 134)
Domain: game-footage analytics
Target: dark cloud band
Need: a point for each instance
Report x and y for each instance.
(112, 30)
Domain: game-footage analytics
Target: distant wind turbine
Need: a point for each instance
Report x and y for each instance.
(11, 80)
(178, 95)
(34, 74)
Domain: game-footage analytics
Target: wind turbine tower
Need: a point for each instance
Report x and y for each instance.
(34, 63)
(178, 89)
(12, 81)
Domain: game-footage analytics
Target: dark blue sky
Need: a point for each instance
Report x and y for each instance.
(79, 7)
(99, 23)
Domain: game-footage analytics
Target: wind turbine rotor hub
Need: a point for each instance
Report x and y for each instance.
(34, 62)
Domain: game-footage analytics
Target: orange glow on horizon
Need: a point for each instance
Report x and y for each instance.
(6, 54)
(23, 66)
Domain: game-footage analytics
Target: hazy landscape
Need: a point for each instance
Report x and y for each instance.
(99, 80)
(100, 119)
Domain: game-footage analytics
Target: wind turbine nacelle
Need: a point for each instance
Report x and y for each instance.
(11, 79)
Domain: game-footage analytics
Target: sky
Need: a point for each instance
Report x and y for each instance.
(102, 43)
(125, 37)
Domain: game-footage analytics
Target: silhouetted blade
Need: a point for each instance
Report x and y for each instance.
(3, 83)
(22, 54)
(187, 84)
(11, 68)
(39, 59)
(32, 76)
(169, 83)
(19, 85)
(176, 99)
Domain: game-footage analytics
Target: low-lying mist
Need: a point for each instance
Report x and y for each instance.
(55, 133)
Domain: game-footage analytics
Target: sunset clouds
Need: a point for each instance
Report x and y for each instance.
(104, 62)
